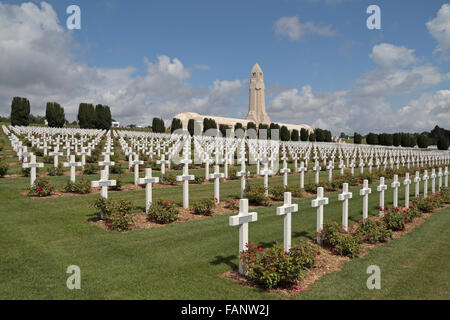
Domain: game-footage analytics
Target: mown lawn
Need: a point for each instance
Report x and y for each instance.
(40, 238)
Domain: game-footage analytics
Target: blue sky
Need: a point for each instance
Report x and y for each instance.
(217, 43)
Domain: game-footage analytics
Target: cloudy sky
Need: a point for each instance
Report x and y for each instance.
(322, 65)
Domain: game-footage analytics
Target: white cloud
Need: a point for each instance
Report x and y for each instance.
(393, 81)
(439, 28)
(291, 28)
(390, 56)
(36, 62)
(425, 112)
(365, 108)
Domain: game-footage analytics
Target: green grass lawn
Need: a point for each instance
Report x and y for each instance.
(40, 238)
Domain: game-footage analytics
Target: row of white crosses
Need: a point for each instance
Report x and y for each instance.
(244, 217)
(320, 201)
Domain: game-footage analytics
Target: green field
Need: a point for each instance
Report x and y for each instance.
(40, 238)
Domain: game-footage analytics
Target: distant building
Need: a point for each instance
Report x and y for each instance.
(115, 124)
(256, 108)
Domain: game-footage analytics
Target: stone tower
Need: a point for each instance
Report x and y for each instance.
(257, 102)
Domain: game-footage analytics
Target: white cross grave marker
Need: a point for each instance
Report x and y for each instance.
(72, 164)
(56, 153)
(365, 191)
(148, 180)
(243, 174)
(265, 172)
(216, 176)
(407, 182)
(286, 210)
(381, 188)
(417, 186)
(318, 203)
(433, 181)
(345, 196)
(302, 171)
(395, 185)
(317, 170)
(104, 183)
(446, 177)
(32, 165)
(425, 183)
(136, 164)
(242, 219)
(285, 172)
(186, 177)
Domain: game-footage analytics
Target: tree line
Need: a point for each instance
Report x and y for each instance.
(438, 136)
(88, 116)
(94, 118)
(319, 135)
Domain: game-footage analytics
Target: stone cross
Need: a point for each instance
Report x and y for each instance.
(417, 182)
(352, 167)
(83, 153)
(295, 158)
(318, 203)
(265, 172)
(32, 165)
(104, 183)
(342, 167)
(162, 162)
(361, 165)
(317, 170)
(216, 176)
(136, 164)
(226, 162)
(286, 210)
(395, 185)
(72, 164)
(381, 188)
(207, 162)
(186, 177)
(243, 174)
(106, 163)
(365, 191)
(242, 219)
(330, 171)
(26, 154)
(56, 153)
(130, 157)
(433, 181)
(344, 196)
(446, 177)
(285, 172)
(406, 183)
(370, 165)
(258, 163)
(302, 171)
(67, 147)
(440, 174)
(148, 180)
(425, 183)
(45, 147)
